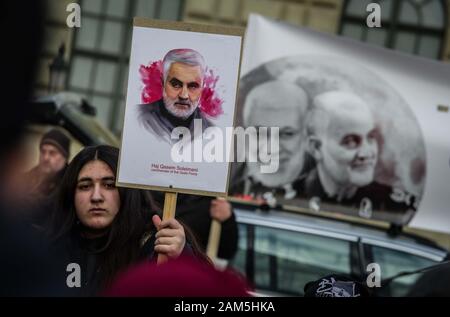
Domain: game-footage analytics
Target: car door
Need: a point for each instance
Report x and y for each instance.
(280, 262)
(392, 261)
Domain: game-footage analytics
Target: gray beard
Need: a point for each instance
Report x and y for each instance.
(173, 110)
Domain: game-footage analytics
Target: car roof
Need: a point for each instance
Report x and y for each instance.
(338, 229)
(73, 113)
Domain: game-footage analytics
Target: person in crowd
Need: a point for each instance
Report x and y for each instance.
(197, 212)
(42, 181)
(105, 229)
(54, 151)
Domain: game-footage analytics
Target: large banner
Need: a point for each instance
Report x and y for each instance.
(363, 130)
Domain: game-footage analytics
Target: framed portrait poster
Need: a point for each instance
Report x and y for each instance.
(181, 98)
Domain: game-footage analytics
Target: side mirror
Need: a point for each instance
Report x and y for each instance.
(86, 108)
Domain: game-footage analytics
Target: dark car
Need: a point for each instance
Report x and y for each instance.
(279, 251)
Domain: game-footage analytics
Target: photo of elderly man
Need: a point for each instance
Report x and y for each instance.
(283, 105)
(342, 138)
(183, 75)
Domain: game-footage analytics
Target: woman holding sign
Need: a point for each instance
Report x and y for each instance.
(104, 229)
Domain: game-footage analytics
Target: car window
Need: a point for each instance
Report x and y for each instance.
(284, 261)
(239, 261)
(393, 262)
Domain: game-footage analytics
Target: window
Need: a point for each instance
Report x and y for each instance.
(239, 259)
(284, 261)
(412, 26)
(101, 48)
(393, 262)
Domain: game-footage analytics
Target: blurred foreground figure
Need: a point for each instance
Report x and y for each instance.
(26, 267)
(182, 277)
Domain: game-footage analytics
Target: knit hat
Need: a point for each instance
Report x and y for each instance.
(57, 139)
(335, 286)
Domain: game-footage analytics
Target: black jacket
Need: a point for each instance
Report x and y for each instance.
(87, 254)
(193, 211)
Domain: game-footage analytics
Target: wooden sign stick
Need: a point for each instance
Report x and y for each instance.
(170, 204)
(214, 239)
